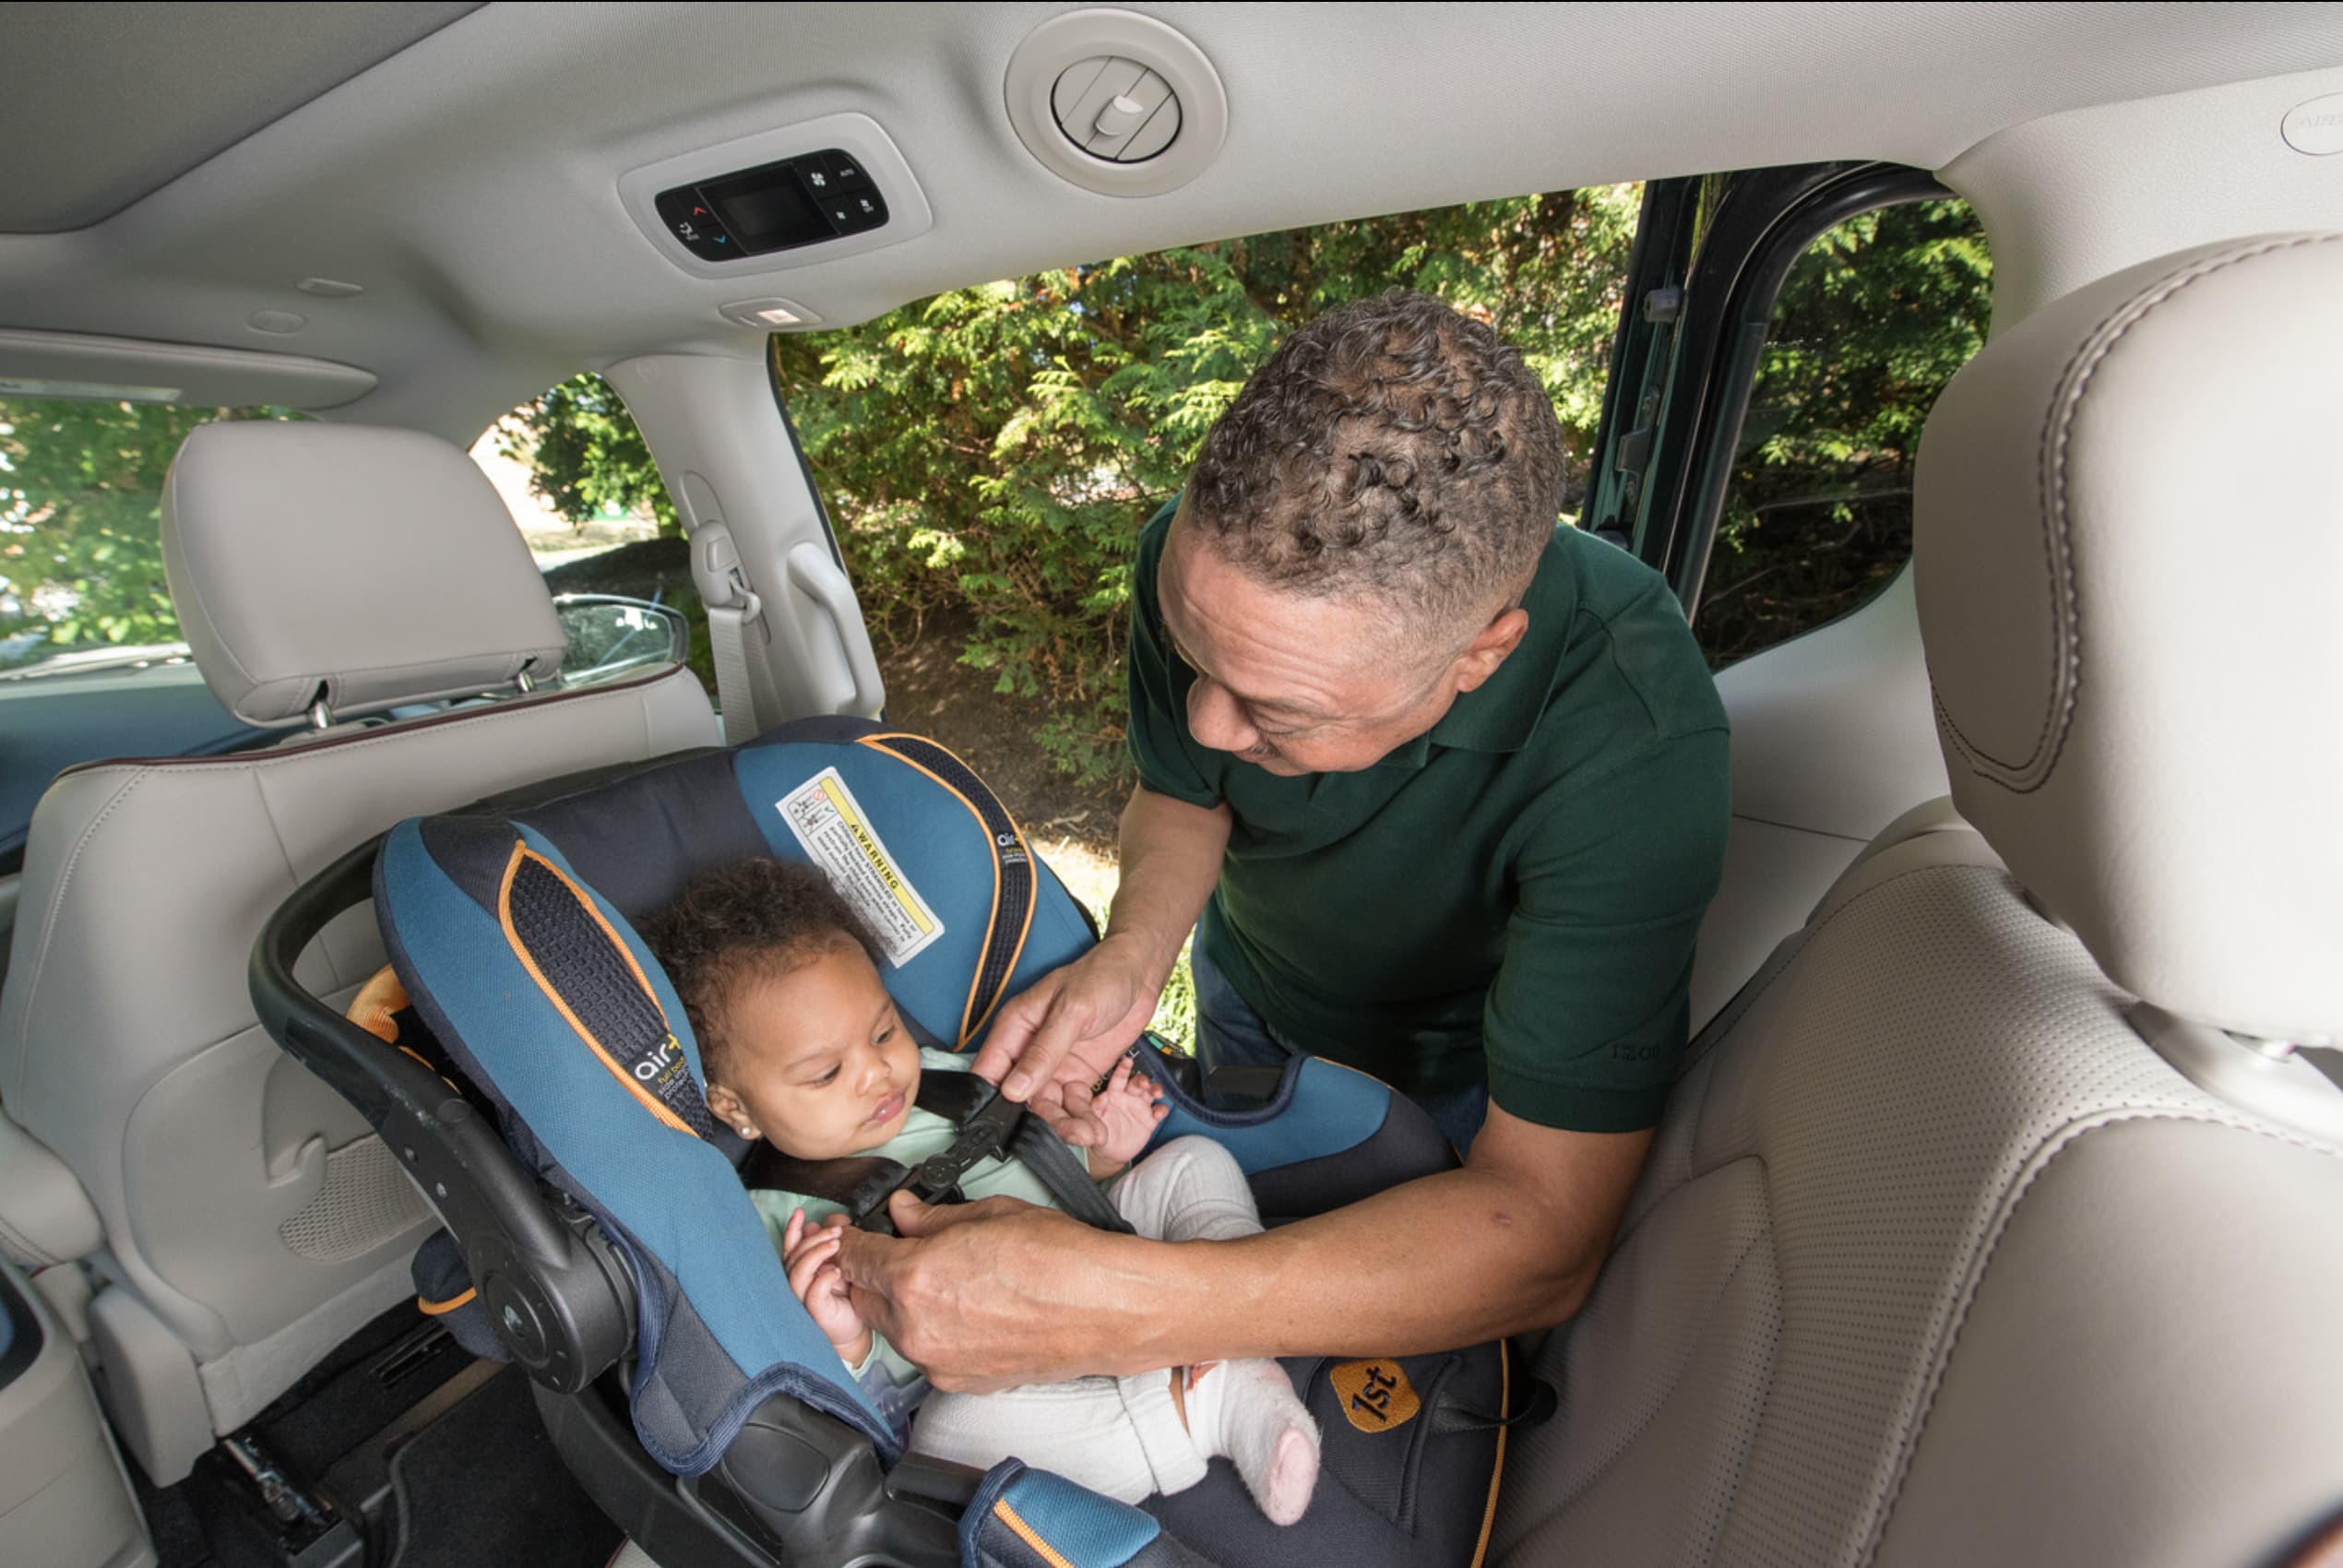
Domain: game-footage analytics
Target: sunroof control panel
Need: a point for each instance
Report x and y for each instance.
(832, 187)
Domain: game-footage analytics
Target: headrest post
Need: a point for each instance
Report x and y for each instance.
(525, 681)
(321, 716)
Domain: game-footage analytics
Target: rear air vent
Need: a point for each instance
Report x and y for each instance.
(1117, 102)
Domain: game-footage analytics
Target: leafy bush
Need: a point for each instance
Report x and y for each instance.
(80, 540)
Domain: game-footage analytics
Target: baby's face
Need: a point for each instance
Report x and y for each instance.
(824, 1064)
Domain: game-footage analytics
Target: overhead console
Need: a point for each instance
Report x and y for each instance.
(828, 188)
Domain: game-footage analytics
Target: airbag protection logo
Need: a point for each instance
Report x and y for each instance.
(2315, 127)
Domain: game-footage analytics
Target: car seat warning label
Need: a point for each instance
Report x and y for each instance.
(829, 820)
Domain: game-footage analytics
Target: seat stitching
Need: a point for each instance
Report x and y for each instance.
(2058, 523)
(2045, 1155)
(39, 954)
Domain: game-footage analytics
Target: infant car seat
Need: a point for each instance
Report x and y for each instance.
(544, 1094)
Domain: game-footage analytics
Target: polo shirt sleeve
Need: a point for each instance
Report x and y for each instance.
(1589, 1014)
(1169, 760)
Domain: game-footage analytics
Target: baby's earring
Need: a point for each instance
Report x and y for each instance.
(748, 1132)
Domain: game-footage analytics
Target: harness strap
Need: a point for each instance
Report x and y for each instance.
(991, 1128)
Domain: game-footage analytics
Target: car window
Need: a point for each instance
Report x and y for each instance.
(584, 491)
(91, 663)
(1872, 322)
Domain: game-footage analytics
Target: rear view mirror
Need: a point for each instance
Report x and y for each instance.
(610, 636)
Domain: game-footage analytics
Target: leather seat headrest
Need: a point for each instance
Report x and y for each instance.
(2128, 553)
(369, 567)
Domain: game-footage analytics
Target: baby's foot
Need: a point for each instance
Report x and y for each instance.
(1248, 1411)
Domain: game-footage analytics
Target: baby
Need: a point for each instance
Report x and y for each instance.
(801, 1046)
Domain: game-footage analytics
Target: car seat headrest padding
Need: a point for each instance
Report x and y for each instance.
(2128, 541)
(594, 981)
(373, 566)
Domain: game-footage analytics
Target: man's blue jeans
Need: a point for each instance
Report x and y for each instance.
(1229, 1033)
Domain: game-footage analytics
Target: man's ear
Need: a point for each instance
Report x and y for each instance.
(1489, 649)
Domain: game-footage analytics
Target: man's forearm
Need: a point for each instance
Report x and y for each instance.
(1170, 858)
(1510, 1244)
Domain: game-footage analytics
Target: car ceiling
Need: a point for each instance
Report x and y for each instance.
(462, 164)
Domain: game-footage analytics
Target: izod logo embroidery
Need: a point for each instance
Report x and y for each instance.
(1377, 1396)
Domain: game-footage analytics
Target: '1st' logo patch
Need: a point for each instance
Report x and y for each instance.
(1377, 1396)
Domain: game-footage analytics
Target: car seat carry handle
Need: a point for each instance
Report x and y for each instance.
(991, 1127)
(559, 1291)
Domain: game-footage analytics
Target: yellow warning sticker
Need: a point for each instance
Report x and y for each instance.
(1377, 1396)
(837, 836)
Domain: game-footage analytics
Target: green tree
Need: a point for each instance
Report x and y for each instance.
(586, 458)
(1871, 324)
(80, 498)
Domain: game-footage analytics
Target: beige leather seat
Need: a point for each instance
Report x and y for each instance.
(238, 1216)
(1970, 1236)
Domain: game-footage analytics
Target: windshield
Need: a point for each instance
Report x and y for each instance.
(81, 582)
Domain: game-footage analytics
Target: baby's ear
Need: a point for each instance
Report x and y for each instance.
(726, 1107)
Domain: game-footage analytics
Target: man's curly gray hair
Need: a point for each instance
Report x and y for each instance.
(1392, 448)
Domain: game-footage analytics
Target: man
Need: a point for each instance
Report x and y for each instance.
(1447, 786)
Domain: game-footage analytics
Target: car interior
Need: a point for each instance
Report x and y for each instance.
(1984, 1222)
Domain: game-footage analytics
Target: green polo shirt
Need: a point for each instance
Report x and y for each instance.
(1510, 897)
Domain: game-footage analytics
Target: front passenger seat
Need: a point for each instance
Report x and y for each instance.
(1997, 1221)
(239, 1219)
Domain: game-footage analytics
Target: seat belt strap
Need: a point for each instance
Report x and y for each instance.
(728, 631)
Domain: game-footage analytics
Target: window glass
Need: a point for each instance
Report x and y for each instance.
(1871, 324)
(91, 663)
(585, 493)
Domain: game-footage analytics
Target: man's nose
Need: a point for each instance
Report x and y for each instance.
(1217, 719)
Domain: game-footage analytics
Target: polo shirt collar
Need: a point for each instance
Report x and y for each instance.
(1502, 712)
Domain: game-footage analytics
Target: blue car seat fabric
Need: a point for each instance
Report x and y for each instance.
(512, 935)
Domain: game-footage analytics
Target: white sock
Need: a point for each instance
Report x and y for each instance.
(1248, 1412)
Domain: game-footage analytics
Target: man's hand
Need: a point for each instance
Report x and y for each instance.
(980, 1295)
(996, 1294)
(1069, 1026)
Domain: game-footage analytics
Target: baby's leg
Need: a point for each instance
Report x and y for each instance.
(1189, 1190)
(1117, 1435)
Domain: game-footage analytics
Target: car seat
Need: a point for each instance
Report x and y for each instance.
(1996, 1220)
(238, 1217)
(612, 1251)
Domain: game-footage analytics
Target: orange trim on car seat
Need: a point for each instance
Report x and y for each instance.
(1026, 1533)
(968, 1025)
(380, 997)
(521, 851)
(1497, 1471)
(437, 1308)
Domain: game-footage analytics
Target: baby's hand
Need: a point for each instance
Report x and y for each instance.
(810, 1253)
(1130, 1105)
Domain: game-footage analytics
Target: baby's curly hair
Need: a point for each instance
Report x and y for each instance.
(1391, 447)
(739, 920)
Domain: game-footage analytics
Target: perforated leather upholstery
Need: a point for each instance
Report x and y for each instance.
(250, 1219)
(1937, 1259)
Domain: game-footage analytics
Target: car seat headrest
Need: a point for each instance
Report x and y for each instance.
(367, 566)
(2128, 544)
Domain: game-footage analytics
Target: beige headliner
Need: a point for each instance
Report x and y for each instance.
(469, 180)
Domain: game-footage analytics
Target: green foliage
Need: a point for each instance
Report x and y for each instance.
(587, 459)
(997, 447)
(80, 499)
(1871, 323)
